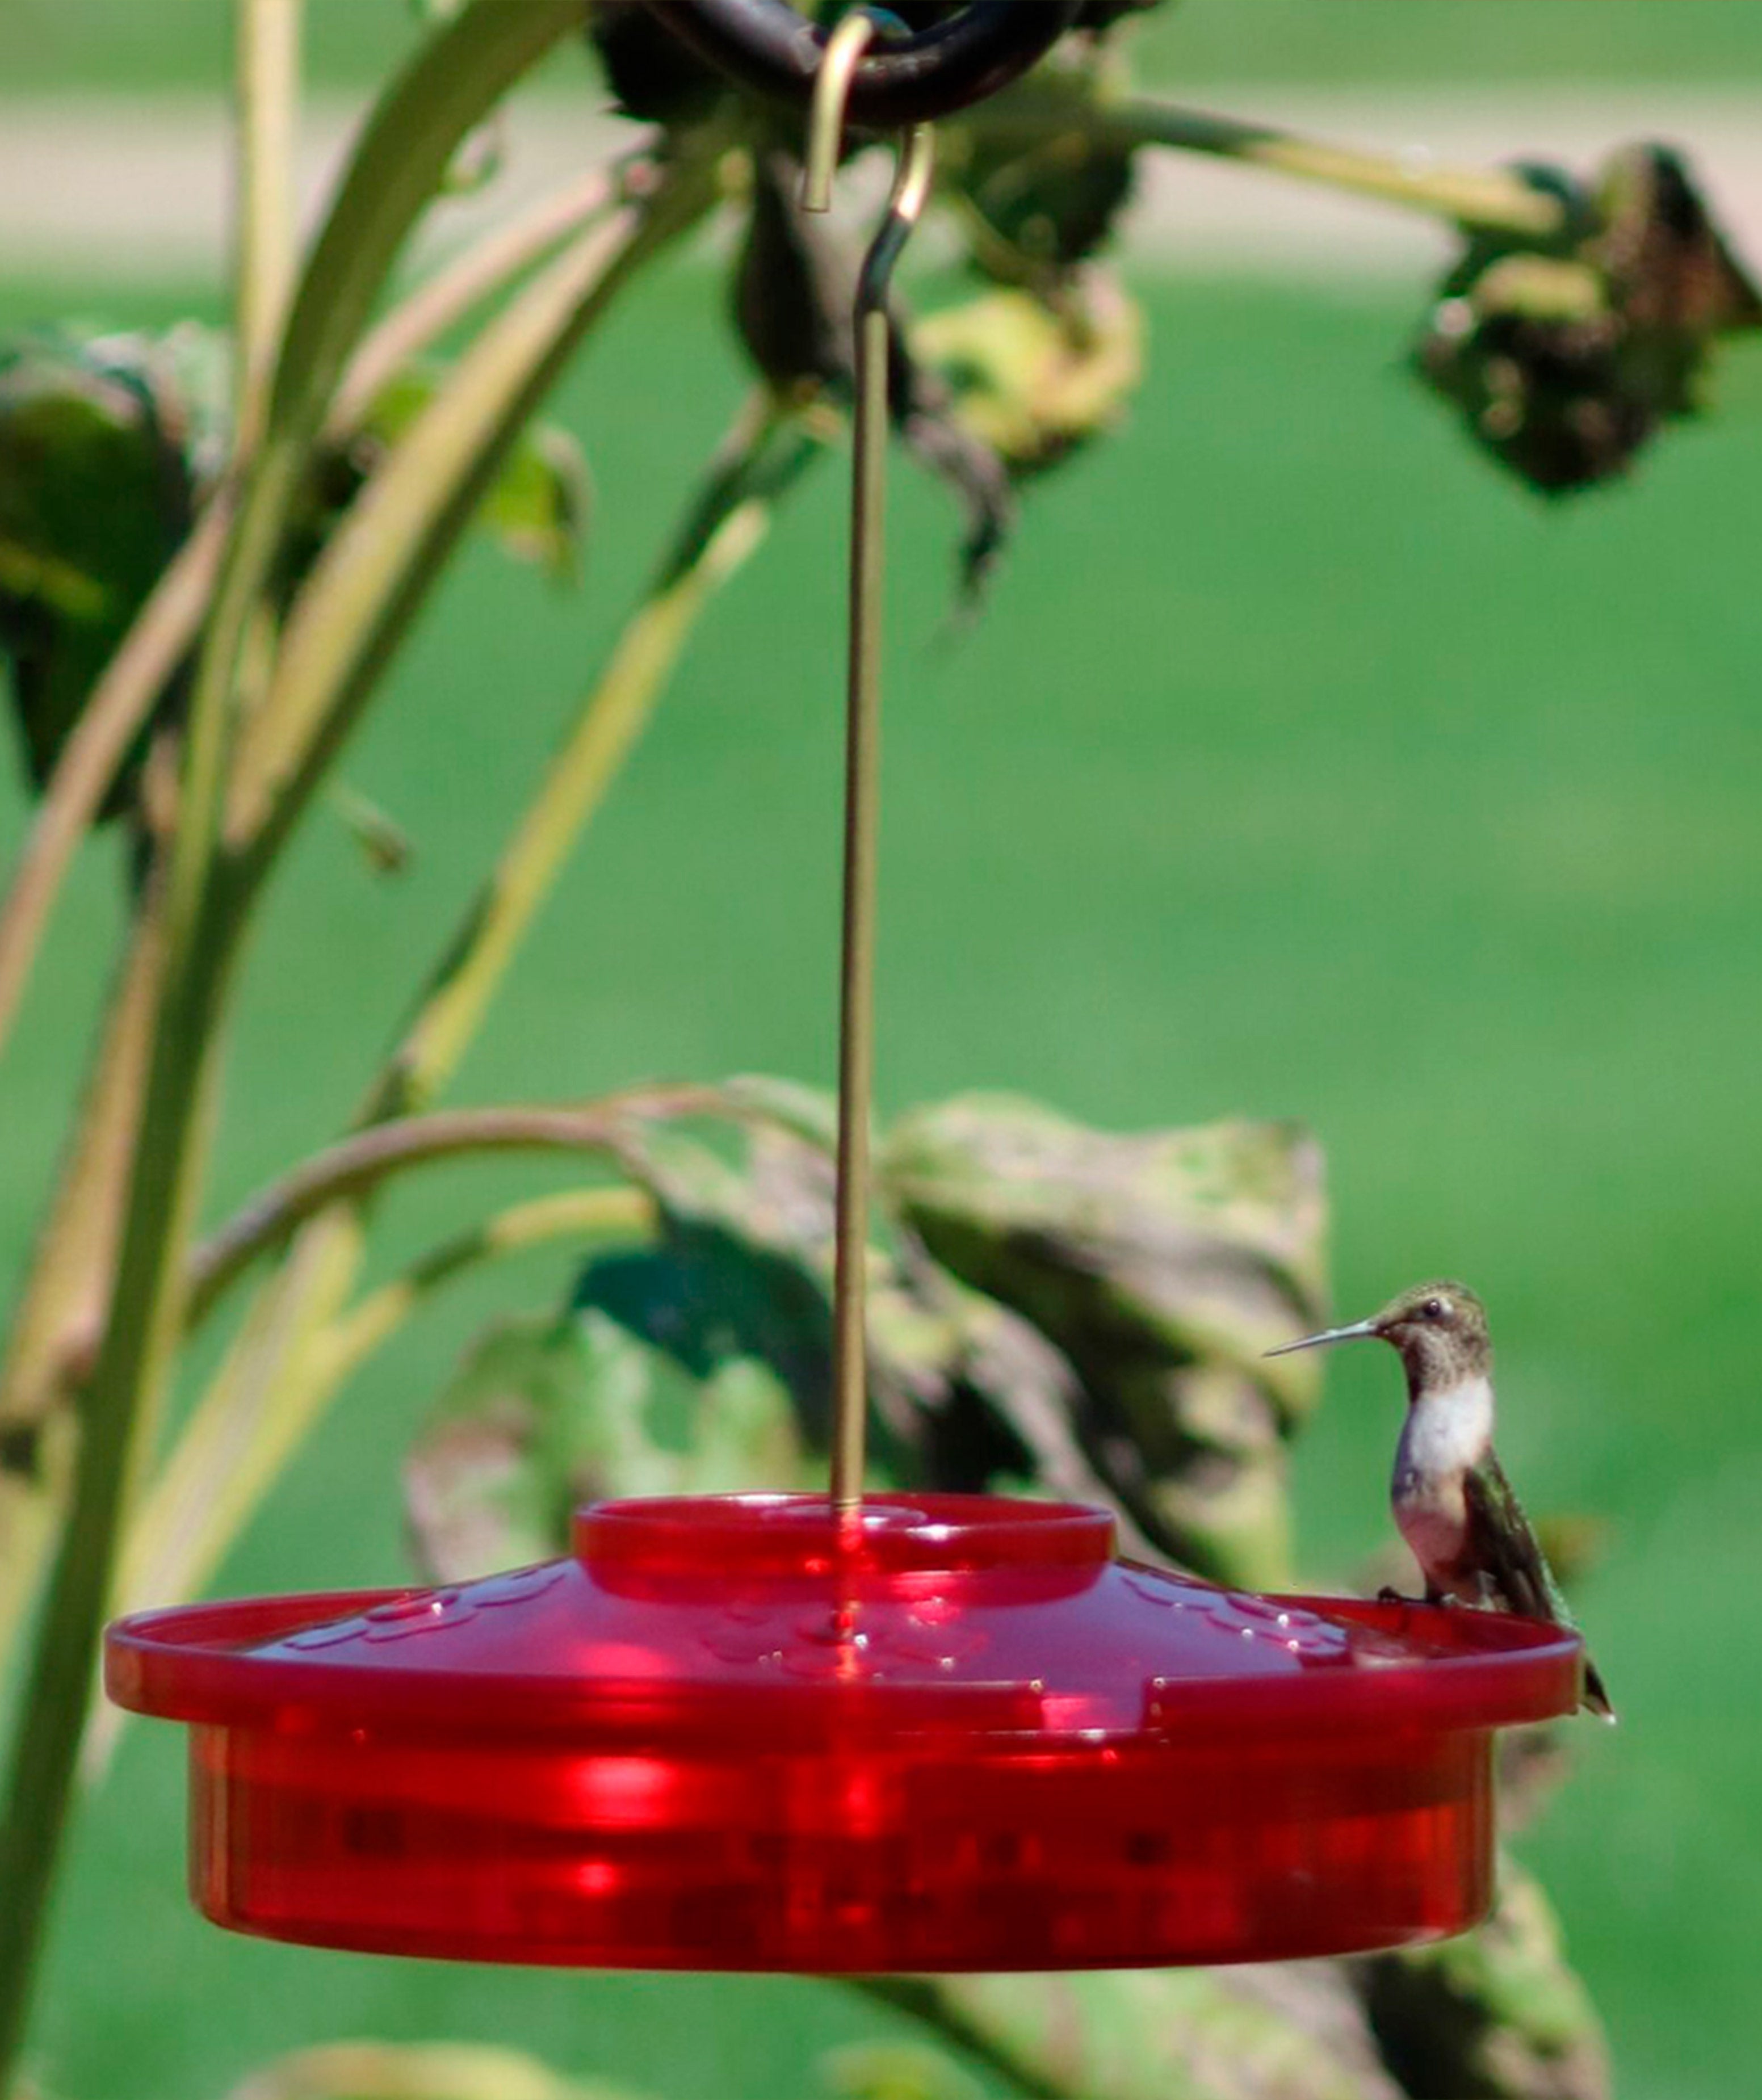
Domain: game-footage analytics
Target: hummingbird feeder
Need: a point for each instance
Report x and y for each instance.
(849, 1733)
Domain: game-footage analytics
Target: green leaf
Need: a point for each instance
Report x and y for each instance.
(964, 1393)
(96, 494)
(1051, 1311)
(397, 169)
(536, 505)
(419, 2070)
(1161, 1266)
(662, 1379)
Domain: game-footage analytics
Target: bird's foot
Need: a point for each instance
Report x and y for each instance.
(1386, 1595)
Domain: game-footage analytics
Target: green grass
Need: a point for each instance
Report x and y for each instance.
(1300, 766)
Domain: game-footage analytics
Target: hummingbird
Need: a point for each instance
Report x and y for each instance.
(1451, 1501)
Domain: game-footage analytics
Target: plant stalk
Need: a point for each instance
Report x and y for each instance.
(266, 96)
(504, 253)
(354, 607)
(396, 169)
(220, 1471)
(356, 1167)
(292, 1351)
(1489, 200)
(62, 1309)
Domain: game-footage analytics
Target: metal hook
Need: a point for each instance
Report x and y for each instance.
(861, 753)
(832, 92)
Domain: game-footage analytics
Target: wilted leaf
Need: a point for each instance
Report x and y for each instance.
(96, 493)
(648, 1386)
(420, 2070)
(1565, 356)
(1496, 2014)
(1033, 381)
(537, 506)
(1161, 1266)
(489, 1483)
(1061, 1312)
(966, 1393)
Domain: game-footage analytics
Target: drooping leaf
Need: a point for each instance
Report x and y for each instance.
(620, 1396)
(1496, 2014)
(415, 2071)
(1161, 1266)
(97, 491)
(487, 1484)
(1565, 356)
(966, 1394)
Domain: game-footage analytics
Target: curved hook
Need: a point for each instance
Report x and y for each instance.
(826, 112)
(905, 208)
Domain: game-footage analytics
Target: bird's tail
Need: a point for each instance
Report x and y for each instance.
(1595, 1698)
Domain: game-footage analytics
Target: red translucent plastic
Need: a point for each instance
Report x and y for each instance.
(735, 1732)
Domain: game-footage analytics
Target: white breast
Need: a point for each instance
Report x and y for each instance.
(1444, 1433)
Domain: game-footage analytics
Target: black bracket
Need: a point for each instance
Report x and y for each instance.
(767, 46)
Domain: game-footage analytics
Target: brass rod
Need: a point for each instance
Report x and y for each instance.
(862, 766)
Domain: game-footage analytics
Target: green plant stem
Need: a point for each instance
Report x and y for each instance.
(61, 1310)
(721, 531)
(473, 277)
(161, 637)
(140, 1335)
(266, 94)
(576, 1214)
(355, 606)
(357, 1166)
(923, 2000)
(286, 1362)
(200, 1499)
(396, 169)
(1491, 199)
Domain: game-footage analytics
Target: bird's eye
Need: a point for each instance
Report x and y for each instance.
(1436, 1309)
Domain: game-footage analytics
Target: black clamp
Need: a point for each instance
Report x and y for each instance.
(769, 47)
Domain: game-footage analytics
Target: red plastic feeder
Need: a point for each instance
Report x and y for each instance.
(724, 1735)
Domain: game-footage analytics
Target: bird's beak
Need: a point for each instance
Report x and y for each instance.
(1355, 1332)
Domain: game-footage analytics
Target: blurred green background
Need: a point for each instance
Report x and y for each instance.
(1300, 766)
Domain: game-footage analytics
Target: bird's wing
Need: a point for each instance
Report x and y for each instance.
(1504, 1545)
(1507, 1549)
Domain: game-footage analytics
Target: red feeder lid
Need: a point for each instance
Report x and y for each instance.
(725, 1735)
